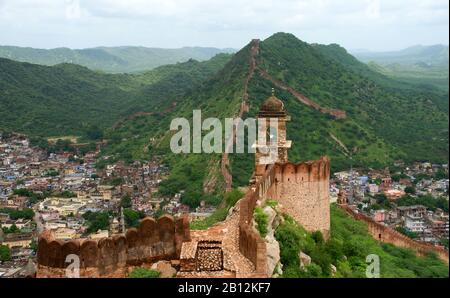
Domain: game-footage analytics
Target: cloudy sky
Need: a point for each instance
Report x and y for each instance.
(355, 24)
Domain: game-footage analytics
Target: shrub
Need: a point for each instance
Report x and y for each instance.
(261, 219)
(271, 203)
(144, 273)
(5, 253)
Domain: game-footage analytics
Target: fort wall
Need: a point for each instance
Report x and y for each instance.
(383, 233)
(251, 245)
(152, 241)
(303, 192)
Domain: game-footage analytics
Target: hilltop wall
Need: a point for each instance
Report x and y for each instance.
(383, 233)
(109, 257)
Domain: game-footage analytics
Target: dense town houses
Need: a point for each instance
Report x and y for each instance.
(413, 199)
(64, 192)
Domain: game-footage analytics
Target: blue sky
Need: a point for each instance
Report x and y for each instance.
(354, 24)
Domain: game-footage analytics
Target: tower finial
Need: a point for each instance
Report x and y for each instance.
(273, 91)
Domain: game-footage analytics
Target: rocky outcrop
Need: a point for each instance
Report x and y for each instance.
(305, 260)
(333, 269)
(274, 266)
(165, 268)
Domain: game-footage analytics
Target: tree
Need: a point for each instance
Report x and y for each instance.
(125, 202)
(5, 253)
(96, 221)
(131, 217)
(93, 132)
(410, 190)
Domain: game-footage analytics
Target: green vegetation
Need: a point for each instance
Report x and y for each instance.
(347, 249)
(11, 230)
(421, 64)
(69, 99)
(261, 220)
(407, 232)
(5, 253)
(218, 216)
(125, 202)
(25, 213)
(387, 119)
(132, 217)
(428, 201)
(96, 221)
(33, 197)
(143, 273)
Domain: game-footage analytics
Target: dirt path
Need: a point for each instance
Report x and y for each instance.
(339, 142)
(227, 232)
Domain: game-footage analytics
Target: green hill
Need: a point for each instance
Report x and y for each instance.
(386, 119)
(421, 64)
(111, 59)
(431, 55)
(66, 98)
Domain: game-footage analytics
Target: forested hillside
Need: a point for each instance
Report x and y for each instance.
(67, 98)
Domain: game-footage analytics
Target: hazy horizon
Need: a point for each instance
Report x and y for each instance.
(362, 50)
(372, 25)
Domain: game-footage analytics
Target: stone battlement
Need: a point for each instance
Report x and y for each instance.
(383, 233)
(303, 192)
(308, 171)
(153, 240)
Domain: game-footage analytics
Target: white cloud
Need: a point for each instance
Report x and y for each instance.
(173, 23)
(73, 10)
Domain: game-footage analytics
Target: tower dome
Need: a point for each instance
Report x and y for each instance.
(272, 106)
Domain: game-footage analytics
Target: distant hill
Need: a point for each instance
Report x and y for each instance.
(111, 59)
(422, 64)
(430, 55)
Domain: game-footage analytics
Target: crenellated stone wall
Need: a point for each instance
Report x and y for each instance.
(153, 240)
(383, 233)
(251, 245)
(303, 192)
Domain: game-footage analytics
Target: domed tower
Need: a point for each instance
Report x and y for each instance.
(271, 145)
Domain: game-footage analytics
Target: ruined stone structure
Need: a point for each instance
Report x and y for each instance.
(110, 257)
(383, 233)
